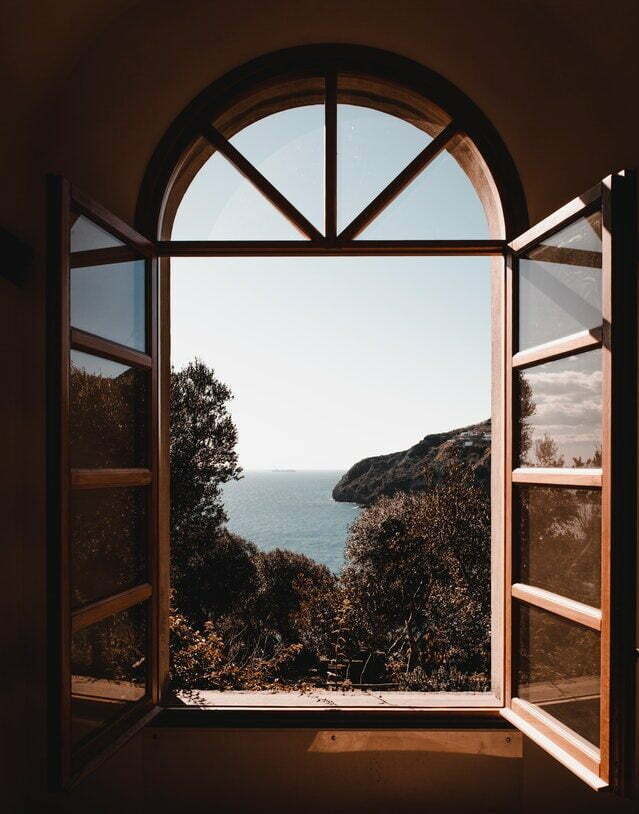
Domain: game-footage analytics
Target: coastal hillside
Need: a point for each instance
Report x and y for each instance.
(407, 471)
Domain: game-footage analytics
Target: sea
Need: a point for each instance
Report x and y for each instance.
(291, 509)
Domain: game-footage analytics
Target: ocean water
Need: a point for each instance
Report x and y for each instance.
(292, 510)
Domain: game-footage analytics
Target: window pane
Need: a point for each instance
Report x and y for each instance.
(440, 203)
(87, 236)
(560, 284)
(560, 541)
(220, 204)
(559, 669)
(108, 542)
(110, 301)
(372, 148)
(108, 413)
(288, 149)
(560, 412)
(108, 670)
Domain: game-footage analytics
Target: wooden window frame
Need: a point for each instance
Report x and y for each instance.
(65, 201)
(373, 79)
(267, 85)
(610, 765)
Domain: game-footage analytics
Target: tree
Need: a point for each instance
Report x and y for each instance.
(240, 616)
(208, 566)
(416, 577)
(203, 438)
(296, 599)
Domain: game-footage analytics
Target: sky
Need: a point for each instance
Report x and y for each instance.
(334, 359)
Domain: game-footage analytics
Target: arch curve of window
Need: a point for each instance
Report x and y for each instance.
(332, 76)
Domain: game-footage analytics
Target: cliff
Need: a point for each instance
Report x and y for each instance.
(406, 471)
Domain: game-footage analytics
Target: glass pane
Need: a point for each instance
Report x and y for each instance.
(220, 204)
(108, 542)
(441, 203)
(86, 236)
(560, 412)
(110, 301)
(559, 669)
(108, 670)
(372, 148)
(288, 149)
(560, 541)
(560, 284)
(108, 413)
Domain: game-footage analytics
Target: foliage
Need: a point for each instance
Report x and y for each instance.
(411, 601)
(295, 600)
(203, 440)
(207, 565)
(112, 649)
(411, 604)
(106, 421)
(417, 569)
(204, 660)
(107, 417)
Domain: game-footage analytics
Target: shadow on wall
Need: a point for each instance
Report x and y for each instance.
(332, 772)
(548, 787)
(290, 771)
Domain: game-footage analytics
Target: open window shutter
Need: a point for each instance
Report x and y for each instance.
(103, 464)
(571, 483)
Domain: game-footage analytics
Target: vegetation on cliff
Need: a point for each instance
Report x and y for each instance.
(414, 469)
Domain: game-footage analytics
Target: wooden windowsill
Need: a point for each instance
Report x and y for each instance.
(339, 710)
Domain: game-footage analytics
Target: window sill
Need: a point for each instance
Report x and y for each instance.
(338, 710)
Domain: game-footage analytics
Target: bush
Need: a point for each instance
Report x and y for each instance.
(416, 577)
(412, 604)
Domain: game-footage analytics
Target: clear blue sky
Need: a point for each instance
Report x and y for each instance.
(334, 359)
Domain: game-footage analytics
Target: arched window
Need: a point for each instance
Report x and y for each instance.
(330, 152)
(340, 106)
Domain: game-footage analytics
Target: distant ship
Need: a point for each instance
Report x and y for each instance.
(283, 470)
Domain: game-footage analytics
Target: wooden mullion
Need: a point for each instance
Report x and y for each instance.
(90, 343)
(97, 213)
(559, 348)
(607, 484)
(58, 544)
(498, 470)
(352, 248)
(153, 675)
(619, 488)
(163, 575)
(573, 210)
(110, 478)
(568, 476)
(330, 158)
(559, 605)
(399, 183)
(510, 331)
(103, 257)
(103, 608)
(262, 184)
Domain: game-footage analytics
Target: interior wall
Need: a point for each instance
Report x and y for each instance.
(89, 88)
(261, 771)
